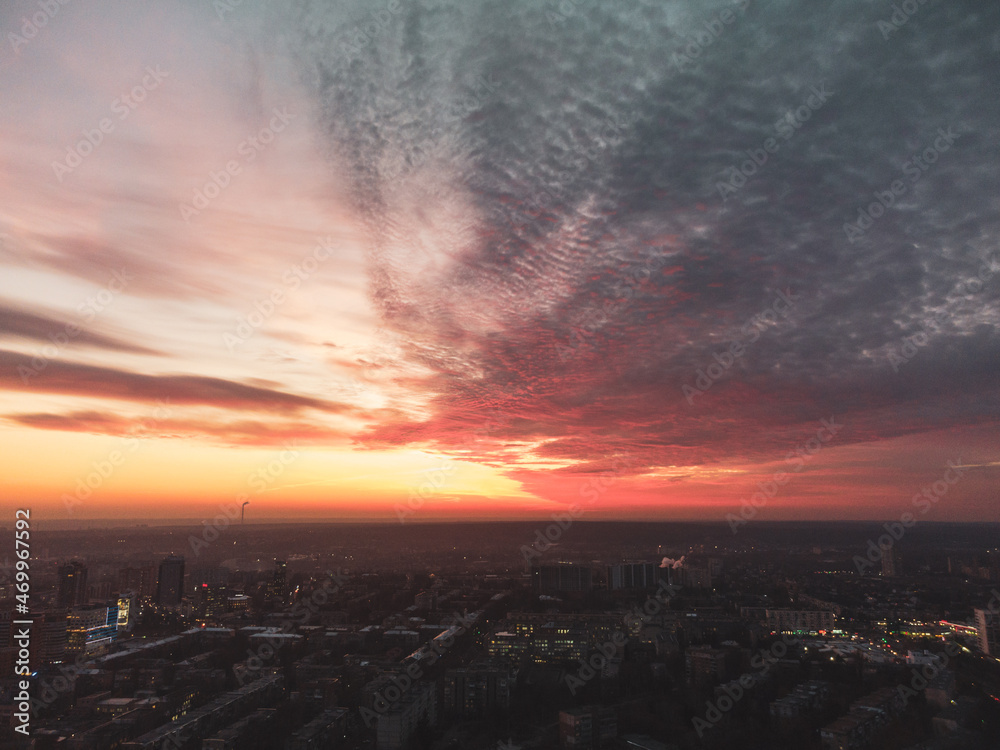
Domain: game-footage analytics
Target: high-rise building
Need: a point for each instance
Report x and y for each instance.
(988, 627)
(633, 575)
(211, 600)
(141, 580)
(889, 562)
(126, 611)
(100, 591)
(277, 587)
(92, 628)
(562, 577)
(49, 637)
(72, 585)
(170, 583)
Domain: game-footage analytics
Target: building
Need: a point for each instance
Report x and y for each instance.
(401, 638)
(277, 587)
(503, 644)
(476, 691)
(599, 627)
(851, 732)
(72, 585)
(113, 706)
(807, 700)
(211, 601)
(170, 582)
(705, 666)
(552, 638)
(100, 592)
(49, 637)
(126, 611)
(325, 731)
(800, 620)
(425, 600)
(209, 718)
(562, 577)
(693, 574)
(588, 727)
(395, 727)
(889, 562)
(941, 689)
(141, 580)
(249, 732)
(633, 575)
(988, 631)
(867, 717)
(91, 629)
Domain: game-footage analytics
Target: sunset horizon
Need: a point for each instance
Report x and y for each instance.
(254, 253)
(522, 375)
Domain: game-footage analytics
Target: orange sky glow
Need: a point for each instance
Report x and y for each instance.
(215, 304)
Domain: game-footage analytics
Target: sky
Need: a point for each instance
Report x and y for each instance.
(428, 259)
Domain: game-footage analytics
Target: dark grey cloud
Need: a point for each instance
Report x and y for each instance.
(594, 265)
(27, 373)
(48, 329)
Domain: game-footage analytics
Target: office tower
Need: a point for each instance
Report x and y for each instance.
(100, 592)
(633, 575)
(562, 577)
(211, 600)
(889, 563)
(49, 639)
(126, 611)
(72, 585)
(141, 580)
(92, 628)
(170, 583)
(988, 627)
(277, 587)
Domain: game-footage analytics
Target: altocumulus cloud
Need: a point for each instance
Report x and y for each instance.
(542, 215)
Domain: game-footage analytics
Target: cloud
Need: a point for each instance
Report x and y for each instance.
(240, 432)
(76, 379)
(17, 322)
(573, 265)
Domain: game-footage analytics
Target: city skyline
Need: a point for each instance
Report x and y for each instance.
(423, 261)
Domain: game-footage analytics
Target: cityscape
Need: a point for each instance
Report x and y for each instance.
(521, 375)
(468, 636)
